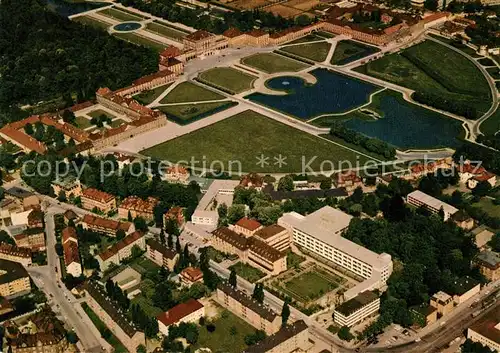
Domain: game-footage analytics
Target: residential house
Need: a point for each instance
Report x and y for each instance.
(14, 279)
(70, 215)
(463, 220)
(256, 314)
(121, 250)
(35, 218)
(252, 180)
(24, 197)
(177, 174)
(13, 253)
(115, 319)
(105, 226)
(51, 340)
(137, 207)
(348, 180)
(71, 252)
(160, 254)
(191, 275)
(31, 238)
(190, 311)
(100, 200)
(443, 302)
(69, 187)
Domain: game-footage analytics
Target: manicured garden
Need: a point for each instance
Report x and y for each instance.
(187, 113)
(82, 122)
(119, 15)
(140, 40)
(250, 273)
(97, 113)
(272, 63)
(190, 92)
(148, 97)
(165, 31)
(228, 336)
(348, 51)
(227, 79)
(246, 136)
(312, 51)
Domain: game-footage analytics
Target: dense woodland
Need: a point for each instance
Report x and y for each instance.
(45, 57)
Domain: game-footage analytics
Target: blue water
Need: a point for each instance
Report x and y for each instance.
(127, 26)
(408, 126)
(332, 93)
(66, 9)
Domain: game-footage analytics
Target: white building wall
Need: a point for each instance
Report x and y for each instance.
(358, 315)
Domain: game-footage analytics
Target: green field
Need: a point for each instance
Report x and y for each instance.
(119, 15)
(489, 207)
(246, 136)
(82, 122)
(347, 51)
(148, 97)
(228, 79)
(491, 125)
(250, 273)
(165, 31)
(101, 326)
(116, 123)
(190, 92)
(272, 63)
(92, 22)
(97, 113)
(222, 340)
(311, 285)
(187, 113)
(494, 72)
(309, 38)
(312, 51)
(140, 40)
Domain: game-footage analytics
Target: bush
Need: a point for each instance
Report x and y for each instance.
(437, 101)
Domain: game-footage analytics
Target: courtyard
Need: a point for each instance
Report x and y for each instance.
(250, 273)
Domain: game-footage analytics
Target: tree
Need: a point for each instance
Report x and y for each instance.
(141, 349)
(72, 337)
(326, 184)
(140, 224)
(170, 241)
(61, 197)
(28, 128)
(285, 314)
(162, 236)
(286, 183)
(258, 293)
(178, 248)
(129, 216)
(235, 213)
(232, 278)
(222, 210)
(68, 117)
(345, 334)
(59, 249)
(431, 5)
(482, 189)
(120, 234)
(6, 238)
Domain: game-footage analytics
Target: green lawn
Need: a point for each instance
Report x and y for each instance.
(491, 125)
(347, 51)
(97, 113)
(227, 79)
(144, 265)
(119, 15)
(140, 40)
(112, 340)
(312, 51)
(148, 97)
(246, 136)
(486, 62)
(494, 72)
(309, 38)
(325, 34)
(82, 122)
(92, 22)
(186, 113)
(116, 123)
(250, 273)
(293, 259)
(146, 305)
(221, 340)
(272, 63)
(489, 207)
(310, 285)
(190, 92)
(165, 31)
(217, 256)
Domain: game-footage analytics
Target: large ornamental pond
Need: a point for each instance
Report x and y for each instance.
(332, 93)
(408, 126)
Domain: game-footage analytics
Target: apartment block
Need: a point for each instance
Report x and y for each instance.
(419, 199)
(256, 314)
(24, 197)
(96, 199)
(357, 309)
(14, 279)
(105, 226)
(161, 255)
(321, 233)
(31, 238)
(177, 174)
(117, 322)
(292, 338)
(121, 250)
(137, 207)
(190, 311)
(489, 265)
(71, 252)
(13, 253)
(275, 236)
(250, 250)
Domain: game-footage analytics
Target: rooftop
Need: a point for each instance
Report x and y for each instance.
(442, 297)
(129, 239)
(248, 224)
(135, 203)
(463, 285)
(489, 259)
(156, 245)
(15, 251)
(262, 310)
(432, 201)
(179, 311)
(11, 271)
(100, 222)
(71, 253)
(97, 195)
(279, 337)
(69, 233)
(18, 192)
(356, 303)
(192, 273)
(489, 325)
(269, 231)
(199, 35)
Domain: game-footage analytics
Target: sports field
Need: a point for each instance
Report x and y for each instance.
(312, 51)
(248, 135)
(272, 63)
(228, 79)
(190, 92)
(140, 40)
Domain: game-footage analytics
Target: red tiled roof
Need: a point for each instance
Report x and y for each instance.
(177, 169)
(81, 106)
(97, 195)
(199, 35)
(256, 33)
(152, 77)
(250, 224)
(68, 233)
(179, 312)
(103, 91)
(192, 274)
(23, 139)
(106, 223)
(70, 249)
(484, 177)
(170, 52)
(6, 248)
(129, 239)
(232, 33)
(135, 203)
(436, 16)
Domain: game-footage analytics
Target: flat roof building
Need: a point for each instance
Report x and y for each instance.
(321, 233)
(356, 309)
(419, 199)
